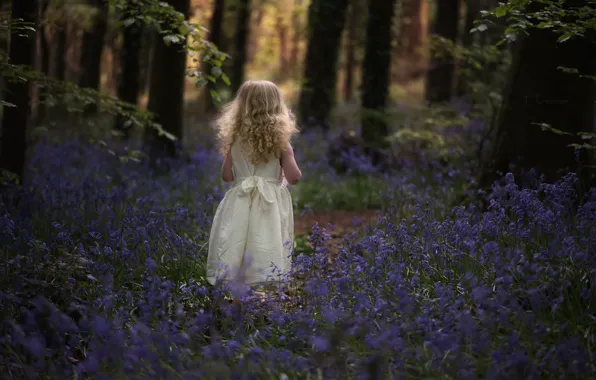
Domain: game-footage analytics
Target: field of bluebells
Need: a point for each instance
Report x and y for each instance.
(103, 275)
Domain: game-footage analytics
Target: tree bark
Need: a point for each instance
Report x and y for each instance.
(44, 59)
(376, 71)
(413, 29)
(326, 20)
(352, 41)
(284, 59)
(240, 38)
(215, 37)
(297, 27)
(564, 101)
(92, 45)
(439, 80)
(166, 96)
(60, 52)
(473, 8)
(147, 47)
(253, 38)
(14, 121)
(129, 79)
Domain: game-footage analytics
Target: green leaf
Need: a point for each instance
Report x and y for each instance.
(501, 11)
(225, 78)
(215, 96)
(201, 82)
(128, 22)
(216, 71)
(564, 37)
(569, 70)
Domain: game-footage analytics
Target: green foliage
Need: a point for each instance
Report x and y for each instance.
(175, 29)
(358, 192)
(567, 21)
(171, 25)
(585, 140)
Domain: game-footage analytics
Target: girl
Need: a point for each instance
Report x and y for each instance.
(253, 229)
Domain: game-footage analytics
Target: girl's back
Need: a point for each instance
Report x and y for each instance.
(253, 228)
(243, 168)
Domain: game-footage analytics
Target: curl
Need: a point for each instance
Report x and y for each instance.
(259, 119)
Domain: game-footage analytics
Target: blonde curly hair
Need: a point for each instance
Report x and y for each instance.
(259, 119)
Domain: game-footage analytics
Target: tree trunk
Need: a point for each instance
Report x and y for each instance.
(284, 59)
(166, 96)
(326, 20)
(129, 84)
(147, 47)
(350, 53)
(240, 38)
(473, 8)
(439, 80)
(413, 28)
(60, 57)
(376, 71)
(44, 59)
(215, 36)
(92, 45)
(254, 36)
(14, 120)
(297, 27)
(564, 101)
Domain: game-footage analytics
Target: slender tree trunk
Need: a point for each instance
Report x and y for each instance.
(411, 28)
(297, 27)
(166, 96)
(439, 80)
(564, 101)
(376, 71)
(129, 84)
(92, 45)
(147, 47)
(14, 120)
(60, 57)
(240, 38)
(44, 59)
(353, 23)
(255, 35)
(216, 38)
(284, 59)
(473, 8)
(326, 20)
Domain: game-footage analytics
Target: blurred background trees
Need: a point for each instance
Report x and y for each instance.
(343, 65)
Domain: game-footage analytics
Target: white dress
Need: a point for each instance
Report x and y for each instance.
(253, 228)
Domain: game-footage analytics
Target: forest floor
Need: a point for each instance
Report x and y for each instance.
(343, 222)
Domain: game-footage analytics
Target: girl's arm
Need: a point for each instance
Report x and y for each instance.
(227, 175)
(290, 167)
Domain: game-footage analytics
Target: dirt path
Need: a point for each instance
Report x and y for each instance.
(342, 221)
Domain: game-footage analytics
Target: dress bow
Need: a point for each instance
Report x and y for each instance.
(248, 184)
